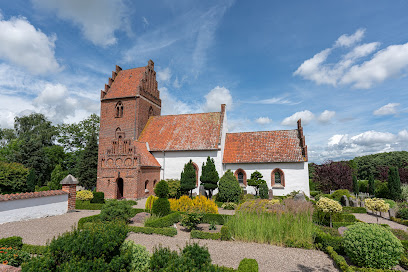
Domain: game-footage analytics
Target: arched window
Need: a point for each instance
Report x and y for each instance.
(119, 109)
(196, 171)
(146, 184)
(241, 176)
(277, 177)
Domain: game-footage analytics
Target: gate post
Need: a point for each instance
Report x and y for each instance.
(69, 184)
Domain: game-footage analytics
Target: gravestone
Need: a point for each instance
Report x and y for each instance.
(300, 197)
(202, 191)
(270, 194)
(353, 202)
(344, 201)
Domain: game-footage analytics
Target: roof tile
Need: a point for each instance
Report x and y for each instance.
(147, 159)
(126, 83)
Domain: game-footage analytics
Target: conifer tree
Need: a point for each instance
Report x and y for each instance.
(31, 180)
(394, 184)
(88, 164)
(188, 178)
(256, 181)
(209, 176)
(355, 184)
(371, 186)
(57, 175)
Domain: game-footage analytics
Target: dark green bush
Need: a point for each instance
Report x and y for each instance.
(148, 230)
(381, 190)
(89, 219)
(225, 233)
(162, 189)
(42, 189)
(174, 188)
(314, 193)
(191, 220)
(84, 265)
(228, 188)
(34, 249)
(136, 211)
(161, 258)
(98, 197)
(370, 245)
(248, 265)
(402, 213)
(87, 205)
(114, 210)
(404, 261)
(218, 219)
(197, 234)
(161, 207)
(339, 260)
(13, 241)
(323, 240)
(135, 257)
(337, 225)
(363, 186)
(40, 263)
(354, 210)
(165, 221)
(336, 195)
(198, 255)
(263, 191)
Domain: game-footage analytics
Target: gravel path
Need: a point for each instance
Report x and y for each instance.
(368, 218)
(269, 257)
(38, 231)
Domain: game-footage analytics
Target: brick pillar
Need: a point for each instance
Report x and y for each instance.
(69, 184)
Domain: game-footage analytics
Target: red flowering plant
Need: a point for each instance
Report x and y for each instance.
(12, 256)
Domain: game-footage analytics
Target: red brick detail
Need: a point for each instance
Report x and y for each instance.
(243, 172)
(71, 190)
(302, 140)
(273, 177)
(199, 131)
(9, 197)
(263, 146)
(197, 172)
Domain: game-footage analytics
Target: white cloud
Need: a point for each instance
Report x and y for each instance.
(12, 106)
(273, 100)
(171, 105)
(305, 115)
(263, 120)
(403, 135)
(390, 108)
(27, 47)
(164, 75)
(326, 116)
(387, 63)
(216, 97)
(349, 40)
(98, 19)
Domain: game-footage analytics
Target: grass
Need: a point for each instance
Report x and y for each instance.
(86, 205)
(289, 224)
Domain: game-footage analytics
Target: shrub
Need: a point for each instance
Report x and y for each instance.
(15, 242)
(363, 186)
(34, 249)
(116, 210)
(149, 202)
(256, 181)
(174, 188)
(228, 188)
(248, 197)
(191, 220)
(209, 176)
(89, 219)
(161, 257)
(198, 255)
(336, 195)
(394, 184)
(248, 265)
(84, 195)
(199, 204)
(42, 263)
(225, 233)
(404, 192)
(229, 206)
(376, 205)
(98, 197)
(329, 206)
(188, 178)
(140, 257)
(162, 189)
(323, 240)
(12, 256)
(354, 210)
(391, 203)
(402, 213)
(370, 245)
(381, 190)
(42, 189)
(161, 207)
(149, 230)
(197, 234)
(86, 205)
(165, 221)
(314, 193)
(263, 191)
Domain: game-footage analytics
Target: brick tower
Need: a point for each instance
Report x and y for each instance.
(125, 166)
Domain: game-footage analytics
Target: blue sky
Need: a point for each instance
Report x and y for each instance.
(340, 66)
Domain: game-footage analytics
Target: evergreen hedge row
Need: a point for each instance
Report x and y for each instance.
(165, 221)
(149, 230)
(197, 234)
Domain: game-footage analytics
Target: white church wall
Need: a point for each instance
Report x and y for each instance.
(296, 175)
(172, 162)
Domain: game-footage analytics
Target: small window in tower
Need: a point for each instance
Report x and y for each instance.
(150, 112)
(119, 109)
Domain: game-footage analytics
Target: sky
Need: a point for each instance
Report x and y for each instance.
(340, 66)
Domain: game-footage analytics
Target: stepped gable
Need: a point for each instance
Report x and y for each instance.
(264, 146)
(200, 131)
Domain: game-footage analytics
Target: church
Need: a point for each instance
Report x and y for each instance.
(138, 146)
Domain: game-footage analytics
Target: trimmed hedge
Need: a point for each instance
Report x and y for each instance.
(165, 221)
(324, 240)
(218, 219)
(248, 265)
(197, 234)
(89, 219)
(337, 225)
(34, 249)
(13, 241)
(148, 230)
(98, 197)
(399, 221)
(354, 210)
(87, 205)
(225, 233)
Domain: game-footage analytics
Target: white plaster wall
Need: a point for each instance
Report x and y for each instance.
(296, 175)
(24, 209)
(172, 162)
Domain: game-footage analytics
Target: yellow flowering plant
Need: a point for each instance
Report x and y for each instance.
(149, 202)
(330, 206)
(199, 204)
(376, 205)
(84, 195)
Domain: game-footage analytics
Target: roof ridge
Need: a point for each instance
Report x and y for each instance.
(186, 114)
(261, 131)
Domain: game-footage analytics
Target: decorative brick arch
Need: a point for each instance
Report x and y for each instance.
(244, 177)
(196, 171)
(282, 177)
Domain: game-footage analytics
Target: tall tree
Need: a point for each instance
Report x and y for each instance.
(12, 178)
(355, 184)
(209, 176)
(333, 176)
(188, 178)
(394, 184)
(256, 181)
(371, 185)
(88, 164)
(57, 175)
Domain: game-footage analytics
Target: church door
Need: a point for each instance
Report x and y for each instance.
(120, 188)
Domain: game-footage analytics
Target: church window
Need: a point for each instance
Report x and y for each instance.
(119, 109)
(241, 177)
(277, 177)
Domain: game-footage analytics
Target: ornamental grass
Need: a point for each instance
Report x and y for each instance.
(285, 224)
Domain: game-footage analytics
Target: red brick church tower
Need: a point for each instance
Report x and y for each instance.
(126, 168)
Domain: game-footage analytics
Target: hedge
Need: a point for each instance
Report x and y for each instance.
(400, 221)
(218, 219)
(89, 219)
(13, 241)
(148, 230)
(86, 205)
(354, 210)
(324, 240)
(248, 265)
(225, 233)
(197, 234)
(34, 249)
(165, 221)
(342, 224)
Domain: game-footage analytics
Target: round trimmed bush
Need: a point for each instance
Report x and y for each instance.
(263, 191)
(228, 188)
(161, 207)
(371, 245)
(162, 189)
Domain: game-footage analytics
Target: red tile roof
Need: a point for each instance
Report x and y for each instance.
(126, 83)
(8, 197)
(147, 159)
(199, 131)
(263, 146)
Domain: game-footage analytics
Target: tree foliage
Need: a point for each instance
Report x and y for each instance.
(188, 178)
(256, 181)
(394, 184)
(13, 178)
(355, 184)
(209, 176)
(57, 175)
(228, 189)
(88, 164)
(371, 185)
(333, 176)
